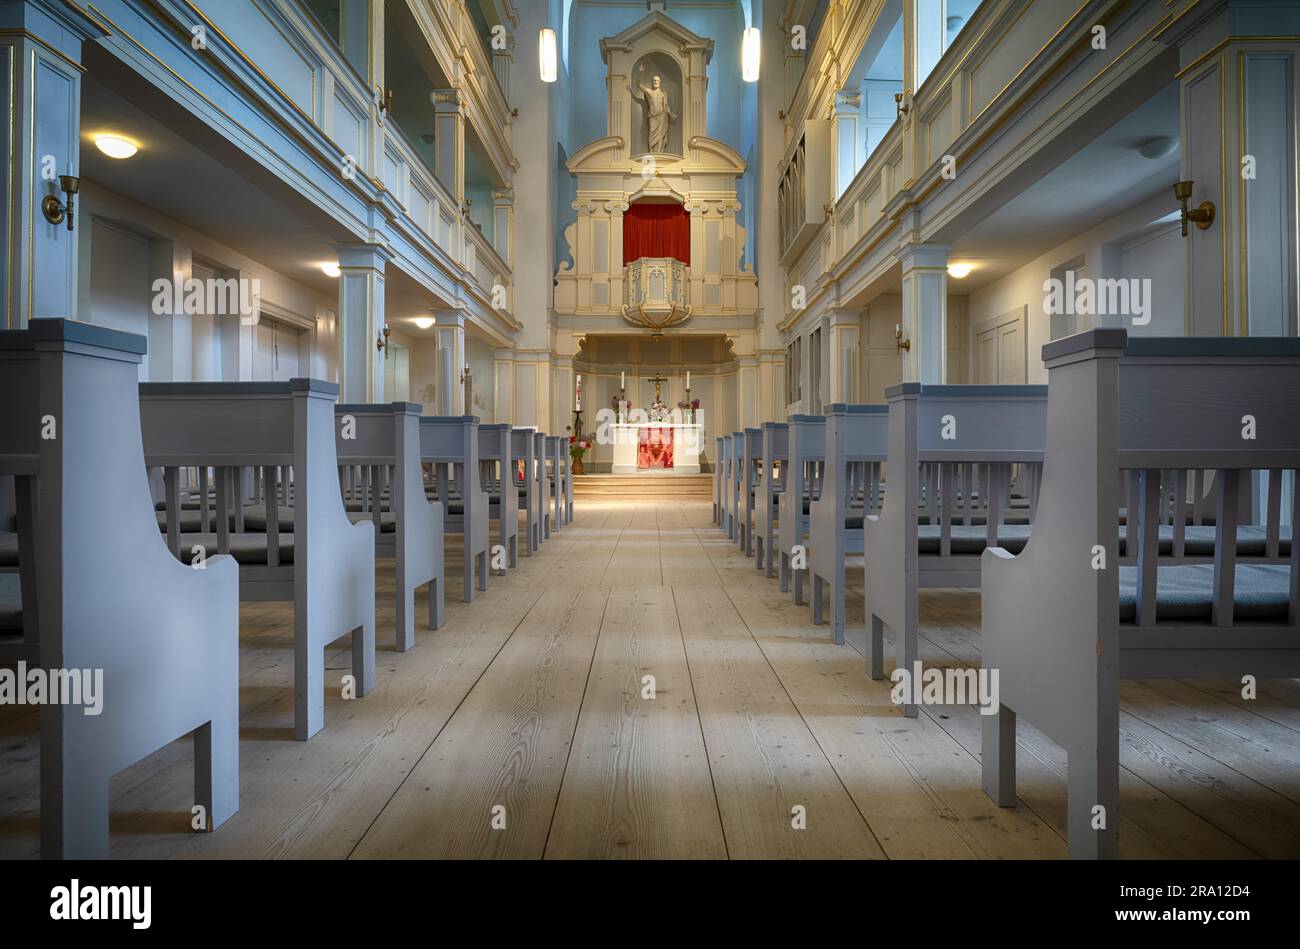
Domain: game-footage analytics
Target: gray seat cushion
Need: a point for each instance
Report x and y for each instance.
(246, 548)
(8, 550)
(972, 540)
(1185, 593)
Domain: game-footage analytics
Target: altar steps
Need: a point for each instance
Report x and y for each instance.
(612, 487)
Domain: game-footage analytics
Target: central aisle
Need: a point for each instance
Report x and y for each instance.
(528, 727)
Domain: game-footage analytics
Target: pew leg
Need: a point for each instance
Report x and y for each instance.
(216, 768)
(836, 589)
(308, 687)
(876, 648)
(758, 552)
(405, 618)
(799, 578)
(1092, 798)
(512, 551)
(818, 608)
(483, 569)
(363, 656)
(906, 655)
(468, 593)
(998, 756)
(437, 603)
(74, 809)
(768, 567)
(783, 584)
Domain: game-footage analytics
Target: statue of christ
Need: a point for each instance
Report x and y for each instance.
(658, 114)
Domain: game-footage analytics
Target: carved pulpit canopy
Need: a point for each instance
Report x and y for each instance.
(657, 81)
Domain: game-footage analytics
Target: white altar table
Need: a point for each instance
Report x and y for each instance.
(688, 442)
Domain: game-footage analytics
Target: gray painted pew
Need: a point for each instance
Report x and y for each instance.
(952, 455)
(1062, 634)
(523, 448)
(719, 473)
(497, 463)
(771, 482)
(734, 486)
(108, 594)
(542, 472)
(725, 462)
(752, 459)
(850, 491)
(806, 447)
(557, 449)
(449, 444)
(274, 427)
(384, 441)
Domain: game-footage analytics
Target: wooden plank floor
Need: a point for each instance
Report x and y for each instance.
(639, 690)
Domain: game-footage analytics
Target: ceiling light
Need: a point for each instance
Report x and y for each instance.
(114, 146)
(750, 55)
(958, 271)
(1155, 148)
(546, 56)
(330, 269)
(424, 322)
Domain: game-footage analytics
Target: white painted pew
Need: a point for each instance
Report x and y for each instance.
(1062, 629)
(806, 447)
(449, 444)
(384, 440)
(953, 451)
(850, 491)
(772, 472)
(523, 448)
(497, 463)
(274, 427)
(108, 594)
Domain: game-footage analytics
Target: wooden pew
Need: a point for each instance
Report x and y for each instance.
(162, 639)
(771, 482)
(953, 453)
(449, 444)
(1062, 630)
(752, 460)
(523, 448)
(850, 491)
(326, 566)
(384, 441)
(497, 462)
(806, 447)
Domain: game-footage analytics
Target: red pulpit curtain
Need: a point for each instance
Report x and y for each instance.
(656, 230)
(655, 448)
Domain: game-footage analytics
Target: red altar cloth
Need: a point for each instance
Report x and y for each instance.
(654, 448)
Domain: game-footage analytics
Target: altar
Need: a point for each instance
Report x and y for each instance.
(657, 447)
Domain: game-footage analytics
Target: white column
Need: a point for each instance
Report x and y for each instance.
(449, 154)
(170, 343)
(450, 332)
(1239, 117)
(847, 149)
(842, 378)
(925, 311)
(40, 53)
(929, 33)
(361, 320)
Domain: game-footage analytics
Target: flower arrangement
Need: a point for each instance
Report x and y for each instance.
(579, 444)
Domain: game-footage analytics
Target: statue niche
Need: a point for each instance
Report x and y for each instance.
(656, 89)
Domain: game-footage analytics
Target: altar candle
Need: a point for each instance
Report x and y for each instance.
(688, 378)
(622, 380)
(578, 404)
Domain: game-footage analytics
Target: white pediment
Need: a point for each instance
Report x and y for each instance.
(656, 23)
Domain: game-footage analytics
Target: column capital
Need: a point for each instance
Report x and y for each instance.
(915, 256)
(362, 255)
(447, 101)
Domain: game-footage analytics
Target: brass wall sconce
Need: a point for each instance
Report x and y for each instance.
(900, 105)
(900, 344)
(55, 212)
(381, 343)
(1202, 216)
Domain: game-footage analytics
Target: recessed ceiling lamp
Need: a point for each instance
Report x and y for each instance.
(424, 322)
(330, 269)
(958, 271)
(1156, 148)
(955, 22)
(546, 57)
(115, 146)
(750, 54)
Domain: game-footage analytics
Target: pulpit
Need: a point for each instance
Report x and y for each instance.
(656, 293)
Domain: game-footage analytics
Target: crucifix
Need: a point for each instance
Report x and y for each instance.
(658, 381)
